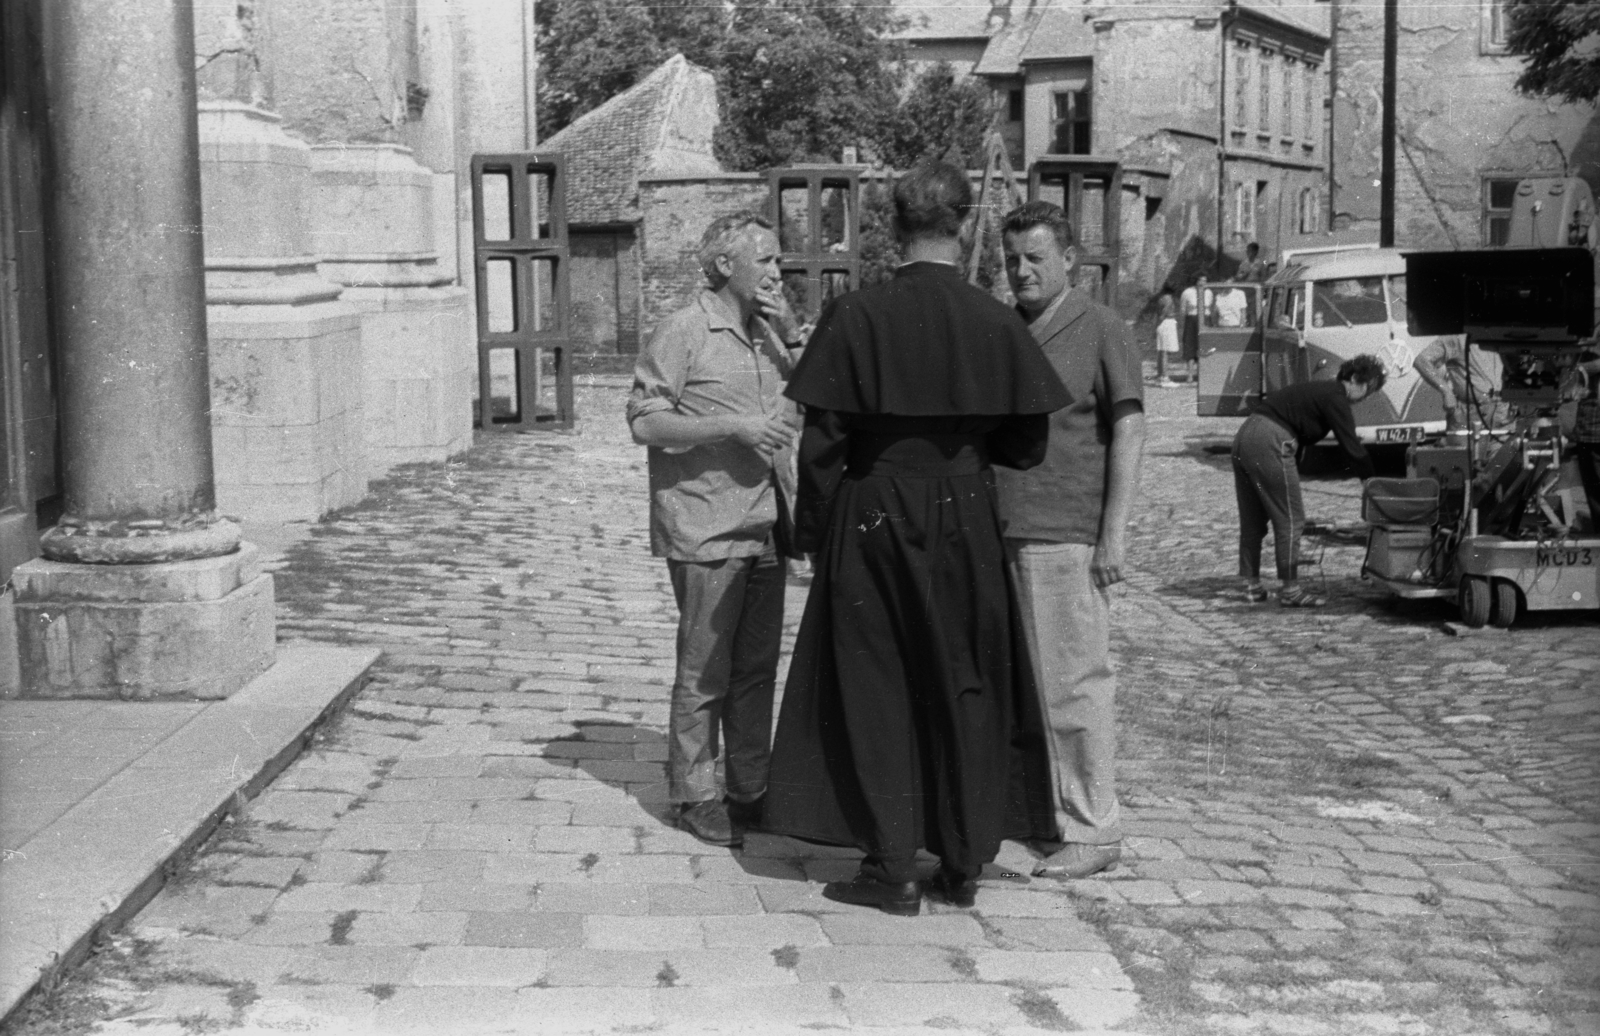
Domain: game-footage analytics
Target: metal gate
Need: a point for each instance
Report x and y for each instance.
(817, 210)
(1090, 187)
(520, 253)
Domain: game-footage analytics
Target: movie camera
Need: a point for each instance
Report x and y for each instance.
(1496, 516)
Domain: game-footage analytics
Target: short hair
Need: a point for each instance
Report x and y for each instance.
(933, 198)
(1366, 368)
(1252, 247)
(720, 236)
(1040, 214)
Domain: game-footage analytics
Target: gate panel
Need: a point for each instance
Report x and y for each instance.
(522, 259)
(1090, 190)
(817, 212)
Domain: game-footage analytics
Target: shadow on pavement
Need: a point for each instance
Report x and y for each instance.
(607, 751)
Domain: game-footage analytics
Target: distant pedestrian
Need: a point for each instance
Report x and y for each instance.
(1190, 305)
(1167, 346)
(1252, 269)
(707, 399)
(1266, 482)
(900, 713)
(1065, 524)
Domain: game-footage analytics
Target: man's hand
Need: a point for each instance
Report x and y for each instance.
(773, 306)
(1452, 412)
(764, 434)
(1106, 565)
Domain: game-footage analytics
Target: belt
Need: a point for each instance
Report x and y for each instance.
(1274, 422)
(917, 456)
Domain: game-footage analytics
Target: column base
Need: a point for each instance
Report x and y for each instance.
(178, 630)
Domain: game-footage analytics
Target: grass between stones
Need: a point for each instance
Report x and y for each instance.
(118, 978)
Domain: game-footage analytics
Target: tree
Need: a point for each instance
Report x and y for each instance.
(1560, 44)
(938, 115)
(799, 80)
(590, 51)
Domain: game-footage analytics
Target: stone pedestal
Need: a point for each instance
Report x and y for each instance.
(174, 630)
(285, 353)
(10, 669)
(373, 218)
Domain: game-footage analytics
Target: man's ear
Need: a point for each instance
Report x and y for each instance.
(1070, 254)
(724, 265)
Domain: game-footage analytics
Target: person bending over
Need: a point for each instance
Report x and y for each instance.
(1266, 482)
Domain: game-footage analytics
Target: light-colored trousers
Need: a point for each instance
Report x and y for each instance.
(730, 623)
(1067, 623)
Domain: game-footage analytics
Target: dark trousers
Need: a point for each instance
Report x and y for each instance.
(1267, 487)
(730, 621)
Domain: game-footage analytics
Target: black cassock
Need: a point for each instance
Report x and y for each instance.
(903, 724)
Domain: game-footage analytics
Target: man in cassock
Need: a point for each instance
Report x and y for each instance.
(901, 726)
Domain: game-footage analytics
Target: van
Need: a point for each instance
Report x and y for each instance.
(1315, 312)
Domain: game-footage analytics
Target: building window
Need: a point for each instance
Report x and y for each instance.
(1241, 87)
(1014, 105)
(1244, 208)
(1310, 210)
(1072, 122)
(1498, 196)
(1264, 101)
(1290, 67)
(1312, 98)
(1493, 27)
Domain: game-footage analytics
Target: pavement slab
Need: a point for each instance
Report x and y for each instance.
(1352, 820)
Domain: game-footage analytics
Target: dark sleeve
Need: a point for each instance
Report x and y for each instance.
(824, 449)
(1020, 441)
(1342, 422)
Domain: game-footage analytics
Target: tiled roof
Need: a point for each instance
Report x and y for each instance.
(636, 131)
(1061, 33)
(1003, 55)
(944, 19)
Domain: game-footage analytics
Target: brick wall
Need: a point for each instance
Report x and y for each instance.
(1459, 119)
(676, 212)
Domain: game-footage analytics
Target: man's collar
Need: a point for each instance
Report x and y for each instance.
(1063, 309)
(720, 316)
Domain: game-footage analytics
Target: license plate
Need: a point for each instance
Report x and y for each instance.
(1402, 433)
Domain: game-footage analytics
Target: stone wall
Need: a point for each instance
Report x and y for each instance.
(338, 69)
(676, 212)
(1460, 120)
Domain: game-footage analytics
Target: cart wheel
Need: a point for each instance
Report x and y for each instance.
(1473, 600)
(1505, 603)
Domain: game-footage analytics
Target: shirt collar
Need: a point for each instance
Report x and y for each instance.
(719, 319)
(1070, 304)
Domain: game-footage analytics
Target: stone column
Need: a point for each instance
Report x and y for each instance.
(142, 592)
(128, 285)
(286, 366)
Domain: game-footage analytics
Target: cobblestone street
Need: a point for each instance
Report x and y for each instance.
(1347, 821)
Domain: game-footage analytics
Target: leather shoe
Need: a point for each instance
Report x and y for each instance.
(746, 815)
(954, 889)
(1077, 860)
(709, 822)
(904, 899)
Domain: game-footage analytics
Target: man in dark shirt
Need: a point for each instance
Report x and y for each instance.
(1065, 523)
(1266, 482)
